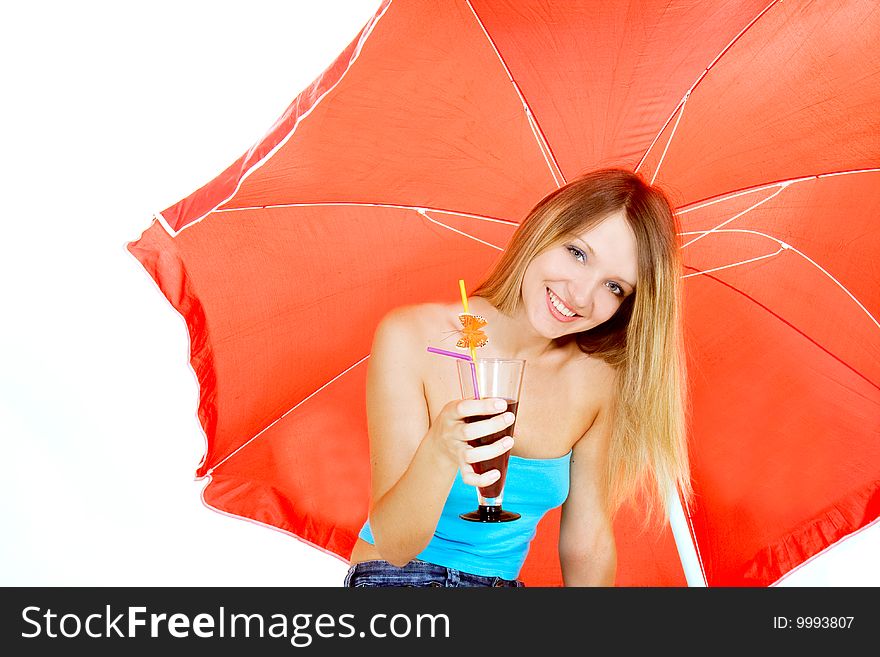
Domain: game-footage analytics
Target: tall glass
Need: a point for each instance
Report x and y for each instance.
(495, 378)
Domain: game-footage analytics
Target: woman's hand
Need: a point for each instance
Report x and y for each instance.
(462, 421)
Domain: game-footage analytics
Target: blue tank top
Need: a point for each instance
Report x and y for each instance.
(533, 487)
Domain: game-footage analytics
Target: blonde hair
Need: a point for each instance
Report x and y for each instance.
(642, 341)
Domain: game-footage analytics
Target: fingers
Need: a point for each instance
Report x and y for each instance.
(471, 478)
(486, 452)
(464, 424)
(480, 454)
(495, 424)
(464, 408)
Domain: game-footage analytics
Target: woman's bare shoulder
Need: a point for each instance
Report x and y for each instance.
(418, 317)
(420, 321)
(594, 374)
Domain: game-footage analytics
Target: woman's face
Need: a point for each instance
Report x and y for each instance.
(581, 283)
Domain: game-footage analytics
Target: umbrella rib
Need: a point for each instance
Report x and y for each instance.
(377, 205)
(460, 232)
(546, 151)
(286, 413)
(837, 282)
(731, 44)
(792, 326)
(685, 535)
(699, 205)
(660, 132)
(784, 246)
(737, 216)
(690, 520)
(694, 86)
(712, 200)
(735, 264)
(671, 136)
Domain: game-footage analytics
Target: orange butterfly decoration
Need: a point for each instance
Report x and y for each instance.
(472, 334)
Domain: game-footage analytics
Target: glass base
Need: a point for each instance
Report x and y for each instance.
(490, 514)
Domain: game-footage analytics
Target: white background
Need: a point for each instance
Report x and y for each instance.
(110, 112)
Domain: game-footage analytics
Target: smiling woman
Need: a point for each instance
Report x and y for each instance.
(582, 286)
(629, 230)
(601, 411)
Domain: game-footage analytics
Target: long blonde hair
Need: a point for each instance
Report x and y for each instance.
(642, 341)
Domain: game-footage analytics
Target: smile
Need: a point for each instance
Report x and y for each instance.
(558, 309)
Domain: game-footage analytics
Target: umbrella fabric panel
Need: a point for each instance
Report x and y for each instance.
(602, 78)
(795, 96)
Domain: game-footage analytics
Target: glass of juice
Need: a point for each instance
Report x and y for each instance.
(496, 378)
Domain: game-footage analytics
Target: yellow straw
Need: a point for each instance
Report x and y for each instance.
(473, 352)
(463, 295)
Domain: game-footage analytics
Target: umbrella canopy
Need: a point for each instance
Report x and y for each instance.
(409, 163)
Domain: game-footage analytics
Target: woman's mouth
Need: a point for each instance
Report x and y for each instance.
(558, 309)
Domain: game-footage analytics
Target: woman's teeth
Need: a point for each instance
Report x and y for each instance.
(559, 305)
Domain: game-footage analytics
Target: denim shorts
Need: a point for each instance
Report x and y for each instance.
(418, 574)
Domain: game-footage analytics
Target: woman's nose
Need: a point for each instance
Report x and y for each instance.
(583, 300)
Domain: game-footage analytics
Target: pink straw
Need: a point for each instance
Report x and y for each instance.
(474, 379)
(443, 352)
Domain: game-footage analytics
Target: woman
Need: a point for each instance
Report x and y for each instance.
(588, 292)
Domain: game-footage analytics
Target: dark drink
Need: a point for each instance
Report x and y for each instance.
(499, 462)
(485, 378)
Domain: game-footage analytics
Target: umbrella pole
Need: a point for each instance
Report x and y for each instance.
(684, 541)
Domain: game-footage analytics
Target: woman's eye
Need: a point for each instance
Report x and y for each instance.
(616, 289)
(579, 255)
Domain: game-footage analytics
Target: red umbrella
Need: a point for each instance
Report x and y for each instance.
(408, 164)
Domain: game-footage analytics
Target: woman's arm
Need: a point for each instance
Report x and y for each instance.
(587, 550)
(413, 463)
